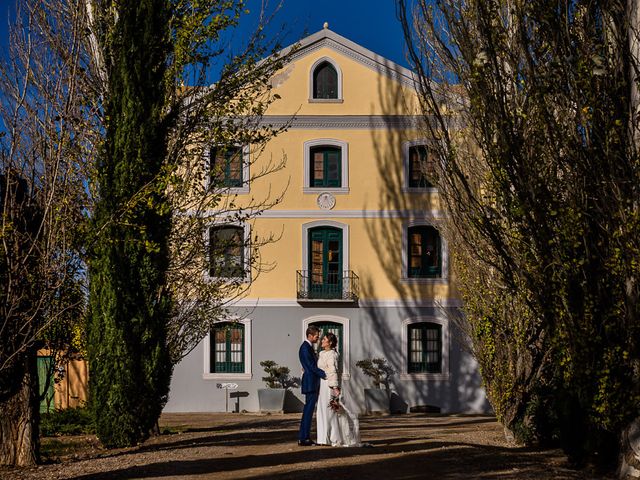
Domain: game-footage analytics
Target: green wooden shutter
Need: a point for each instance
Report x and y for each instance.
(424, 252)
(226, 252)
(418, 158)
(45, 371)
(336, 329)
(425, 348)
(226, 165)
(325, 167)
(325, 81)
(227, 348)
(325, 262)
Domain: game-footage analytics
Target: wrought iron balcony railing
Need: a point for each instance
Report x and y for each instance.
(332, 286)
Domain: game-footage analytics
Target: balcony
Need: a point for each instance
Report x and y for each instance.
(329, 287)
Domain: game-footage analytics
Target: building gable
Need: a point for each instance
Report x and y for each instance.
(368, 84)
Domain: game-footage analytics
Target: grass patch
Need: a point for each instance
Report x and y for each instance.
(53, 448)
(175, 429)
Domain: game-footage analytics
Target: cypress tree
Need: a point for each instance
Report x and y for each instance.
(129, 365)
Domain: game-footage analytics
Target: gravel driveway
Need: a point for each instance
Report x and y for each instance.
(244, 446)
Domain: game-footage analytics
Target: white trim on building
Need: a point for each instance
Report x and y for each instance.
(335, 65)
(362, 303)
(428, 215)
(344, 161)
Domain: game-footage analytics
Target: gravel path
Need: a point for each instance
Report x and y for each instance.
(251, 446)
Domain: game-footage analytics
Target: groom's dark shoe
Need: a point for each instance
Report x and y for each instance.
(306, 443)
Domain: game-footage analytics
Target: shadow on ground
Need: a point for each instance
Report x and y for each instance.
(403, 447)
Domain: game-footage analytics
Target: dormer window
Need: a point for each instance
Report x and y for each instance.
(325, 81)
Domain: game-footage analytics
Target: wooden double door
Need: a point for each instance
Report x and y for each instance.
(325, 262)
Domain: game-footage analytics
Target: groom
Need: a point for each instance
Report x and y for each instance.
(310, 383)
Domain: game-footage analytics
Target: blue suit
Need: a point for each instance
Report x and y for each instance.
(310, 387)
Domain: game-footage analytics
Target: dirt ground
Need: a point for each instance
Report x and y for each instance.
(252, 446)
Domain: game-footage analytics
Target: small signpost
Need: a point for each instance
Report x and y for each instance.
(227, 387)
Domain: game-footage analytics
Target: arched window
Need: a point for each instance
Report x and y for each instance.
(335, 328)
(338, 326)
(424, 348)
(325, 81)
(424, 252)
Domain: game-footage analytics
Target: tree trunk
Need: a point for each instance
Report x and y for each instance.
(19, 415)
(630, 452)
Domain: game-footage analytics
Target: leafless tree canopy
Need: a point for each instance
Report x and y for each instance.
(534, 108)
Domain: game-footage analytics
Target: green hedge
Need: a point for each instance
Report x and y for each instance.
(71, 421)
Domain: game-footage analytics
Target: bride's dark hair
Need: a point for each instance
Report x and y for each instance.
(333, 340)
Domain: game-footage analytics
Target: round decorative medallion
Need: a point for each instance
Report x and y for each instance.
(326, 201)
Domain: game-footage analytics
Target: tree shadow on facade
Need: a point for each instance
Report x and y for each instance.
(458, 386)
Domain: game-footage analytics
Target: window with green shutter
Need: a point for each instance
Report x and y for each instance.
(421, 167)
(424, 252)
(227, 348)
(326, 166)
(226, 251)
(336, 329)
(325, 262)
(226, 164)
(425, 348)
(325, 81)
(45, 384)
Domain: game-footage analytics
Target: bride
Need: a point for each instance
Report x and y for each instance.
(337, 426)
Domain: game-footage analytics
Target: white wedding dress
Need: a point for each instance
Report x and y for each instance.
(337, 428)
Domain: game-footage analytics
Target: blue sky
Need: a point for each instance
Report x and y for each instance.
(4, 19)
(371, 23)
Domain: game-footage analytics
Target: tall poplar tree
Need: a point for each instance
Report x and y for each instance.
(532, 106)
(129, 362)
(151, 207)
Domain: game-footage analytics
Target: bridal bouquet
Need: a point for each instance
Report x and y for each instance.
(334, 402)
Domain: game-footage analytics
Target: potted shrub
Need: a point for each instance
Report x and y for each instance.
(271, 399)
(377, 399)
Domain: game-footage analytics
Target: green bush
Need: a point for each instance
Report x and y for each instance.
(378, 369)
(277, 376)
(71, 421)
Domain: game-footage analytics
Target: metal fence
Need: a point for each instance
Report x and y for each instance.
(330, 286)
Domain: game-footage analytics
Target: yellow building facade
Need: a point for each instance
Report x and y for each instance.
(358, 251)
